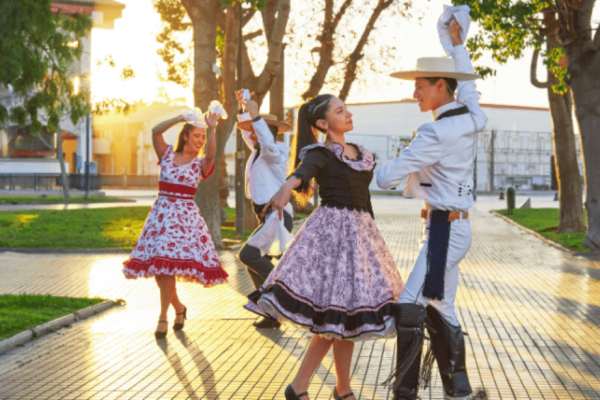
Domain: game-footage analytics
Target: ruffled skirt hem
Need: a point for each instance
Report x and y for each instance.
(183, 270)
(364, 323)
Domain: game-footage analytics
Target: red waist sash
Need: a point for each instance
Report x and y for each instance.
(176, 191)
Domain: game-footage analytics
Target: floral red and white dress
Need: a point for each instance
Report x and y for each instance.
(175, 239)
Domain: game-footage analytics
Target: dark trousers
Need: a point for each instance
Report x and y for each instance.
(259, 267)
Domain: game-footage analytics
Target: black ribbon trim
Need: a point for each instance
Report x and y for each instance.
(454, 112)
(334, 317)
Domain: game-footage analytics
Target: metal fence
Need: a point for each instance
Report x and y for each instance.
(30, 182)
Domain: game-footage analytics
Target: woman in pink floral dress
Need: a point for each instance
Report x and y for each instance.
(175, 242)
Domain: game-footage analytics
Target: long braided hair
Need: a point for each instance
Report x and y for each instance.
(308, 115)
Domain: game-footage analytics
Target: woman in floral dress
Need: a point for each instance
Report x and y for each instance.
(337, 278)
(175, 242)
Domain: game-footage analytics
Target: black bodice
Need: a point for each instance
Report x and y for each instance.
(340, 185)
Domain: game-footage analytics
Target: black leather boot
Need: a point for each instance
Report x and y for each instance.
(448, 345)
(409, 320)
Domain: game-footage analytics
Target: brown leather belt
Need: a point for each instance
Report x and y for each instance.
(454, 215)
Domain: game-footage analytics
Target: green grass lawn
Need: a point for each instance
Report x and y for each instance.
(98, 228)
(72, 229)
(545, 222)
(25, 311)
(55, 199)
(228, 232)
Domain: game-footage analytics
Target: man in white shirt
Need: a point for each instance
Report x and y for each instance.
(439, 162)
(265, 173)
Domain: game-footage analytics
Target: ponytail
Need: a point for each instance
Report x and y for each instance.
(308, 115)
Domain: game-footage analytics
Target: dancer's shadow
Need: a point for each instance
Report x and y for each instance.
(202, 365)
(207, 374)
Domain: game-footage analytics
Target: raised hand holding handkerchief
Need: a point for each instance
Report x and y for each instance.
(195, 117)
(462, 16)
(215, 107)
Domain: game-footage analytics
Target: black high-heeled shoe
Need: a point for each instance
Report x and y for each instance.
(178, 327)
(336, 396)
(161, 334)
(291, 395)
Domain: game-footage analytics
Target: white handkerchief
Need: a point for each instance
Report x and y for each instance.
(193, 115)
(273, 237)
(216, 108)
(461, 13)
(196, 118)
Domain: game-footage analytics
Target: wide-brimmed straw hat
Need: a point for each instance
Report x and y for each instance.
(435, 67)
(270, 119)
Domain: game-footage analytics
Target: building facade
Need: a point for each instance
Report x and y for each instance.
(519, 155)
(22, 153)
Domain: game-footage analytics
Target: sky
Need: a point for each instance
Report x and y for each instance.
(132, 43)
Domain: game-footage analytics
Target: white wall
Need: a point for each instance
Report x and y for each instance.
(23, 166)
(377, 126)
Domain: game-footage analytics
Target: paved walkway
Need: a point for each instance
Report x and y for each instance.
(532, 313)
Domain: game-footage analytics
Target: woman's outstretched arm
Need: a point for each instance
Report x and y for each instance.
(158, 141)
(210, 148)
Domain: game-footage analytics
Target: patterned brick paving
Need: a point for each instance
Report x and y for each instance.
(531, 311)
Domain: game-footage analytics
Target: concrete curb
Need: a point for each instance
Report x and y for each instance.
(52, 326)
(587, 254)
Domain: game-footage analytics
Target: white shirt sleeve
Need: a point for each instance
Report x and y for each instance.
(246, 134)
(269, 149)
(466, 92)
(423, 151)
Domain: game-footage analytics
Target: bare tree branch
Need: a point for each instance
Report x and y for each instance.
(248, 77)
(273, 64)
(252, 35)
(326, 50)
(357, 55)
(534, 80)
(268, 17)
(247, 15)
(48, 144)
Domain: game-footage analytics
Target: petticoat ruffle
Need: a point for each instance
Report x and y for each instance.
(183, 270)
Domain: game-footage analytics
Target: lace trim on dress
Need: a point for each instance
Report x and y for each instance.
(364, 162)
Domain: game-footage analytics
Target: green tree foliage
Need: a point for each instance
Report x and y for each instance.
(508, 28)
(37, 47)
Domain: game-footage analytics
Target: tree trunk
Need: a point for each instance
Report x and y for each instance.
(275, 18)
(565, 154)
(61, 161)
(567, 170)
(277, 92)
(223, 183)
(586, 98)
(204, 16)
(584, 67)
